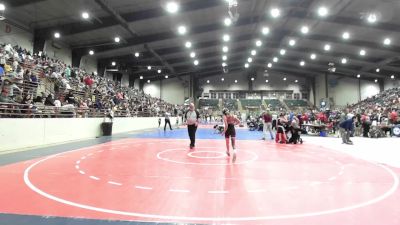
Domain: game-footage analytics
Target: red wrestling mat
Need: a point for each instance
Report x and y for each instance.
(161, 180)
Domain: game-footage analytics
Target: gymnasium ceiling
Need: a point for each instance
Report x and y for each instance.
(146, 27)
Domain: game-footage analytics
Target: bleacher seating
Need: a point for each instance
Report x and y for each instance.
(251, 103)
(231, 104)
(273, 104)
(210, 103)
(296, 103)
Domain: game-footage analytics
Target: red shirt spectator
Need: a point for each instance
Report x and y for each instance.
(393, 116)
(88, 81)
(267, 118)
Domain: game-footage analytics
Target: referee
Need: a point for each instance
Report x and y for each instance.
(192, 120)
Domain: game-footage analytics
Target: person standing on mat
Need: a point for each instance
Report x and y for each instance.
(167, 121)
(229, 131)
(346, 128)
(267, 126)
(192, 117)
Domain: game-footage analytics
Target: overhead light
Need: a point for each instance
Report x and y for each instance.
(149, 67)
(346, 35)
(266, 81)
(250, 60)
(235, 81)
(188, 44)
(322, 11)
(275, 12)
(387, 41)
(158, 71)
(258, 43)
(246, 65)
(91, 52)
(265, 30)
(117, 39)
(284, 79)
(222, 79)
(166, 76)
(376, 80)
(304, 29)
(113, 63)
(253, 52)
(372, 18)
(85, 15)
(137, 54)
(196, 62)
(182, 30)
(2, 7)
(208, 81)
(252, 79)
(392, 77)
(313, 56)
(225, 49)
(226, 37)
(141, 77)
(292, 42)
(172, 7)
(378, 70)
(358, 75)
(192, 54)
(327, 47)
(296, 81)
(224, 57)
(275, 59)
(227, 21)
(344, 60)
(363, 52)
(282, 51)
(148, 81)
(57, 35)
(224, 64)
(302, 63)
(269, 65)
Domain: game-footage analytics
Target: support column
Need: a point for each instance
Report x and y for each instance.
(326, 85)
(38, 43)
(76, 57)
(359, 90)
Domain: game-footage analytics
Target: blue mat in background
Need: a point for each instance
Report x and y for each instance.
(202, 133)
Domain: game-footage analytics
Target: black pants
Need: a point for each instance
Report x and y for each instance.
(167, 122)
(192, 134)
(366, 129)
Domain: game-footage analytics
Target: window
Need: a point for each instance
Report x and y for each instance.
(297, 96)
(235, 95)
(304, 95)
(228, 95)
(213, 95)
(220, 95)
(288, 95)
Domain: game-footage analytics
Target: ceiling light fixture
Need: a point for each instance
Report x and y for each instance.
(57, 35)
(378, 70)
(226, 37)
(258, 43)
(141, 77)
(158, 71)
(192, 54)
(346, 35)
(236, 81)
(166, 76)
(292, 42)
(137, 54)
(182, 30)
(358, 75)
(313, 56)
(269, 65)
(282, 51)
(275, 59)
(253, 52)
(387, 41)
(250, 60)
(372, 18)
(344, 60)
(302, 63)
(265, 30)
(275, 12)
(208, 81)
(224, 57)
(304, 29)
(322, 11)
(113, 63)
(117, 39)
(284, 79)
(327, 47)
(196, 62)
(149, 67)
(2, 7)
(225, 49)
(246, 65)
(392, 77)
(188, 44)
(172, 7)
(227, 22)
(91, 52)
(363, 52)
(85, 15)
(224, 64)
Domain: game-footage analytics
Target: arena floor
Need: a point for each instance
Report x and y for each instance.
(153, 177)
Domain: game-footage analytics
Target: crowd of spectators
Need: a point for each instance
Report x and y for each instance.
(73, 90)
